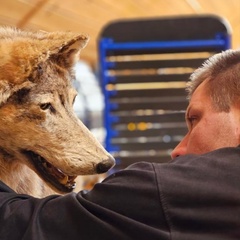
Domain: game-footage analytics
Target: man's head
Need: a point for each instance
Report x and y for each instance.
(213, 114)
(222, 74)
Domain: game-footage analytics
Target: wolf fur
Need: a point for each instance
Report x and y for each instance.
(43, 145)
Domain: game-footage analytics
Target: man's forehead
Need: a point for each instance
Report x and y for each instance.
(200, 93)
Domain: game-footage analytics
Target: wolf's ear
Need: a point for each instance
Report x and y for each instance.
(68, 54)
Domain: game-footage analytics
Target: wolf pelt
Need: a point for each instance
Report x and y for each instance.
(43, 145)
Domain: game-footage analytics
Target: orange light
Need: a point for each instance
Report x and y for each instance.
(131, 126)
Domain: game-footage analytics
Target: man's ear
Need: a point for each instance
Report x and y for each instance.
(68, 54)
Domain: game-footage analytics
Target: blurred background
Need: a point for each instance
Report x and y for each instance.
(132, 96)
(90, 16)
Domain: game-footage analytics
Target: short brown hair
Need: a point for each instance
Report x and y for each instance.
(222, 73)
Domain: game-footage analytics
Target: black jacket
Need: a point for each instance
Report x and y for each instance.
(190, 198)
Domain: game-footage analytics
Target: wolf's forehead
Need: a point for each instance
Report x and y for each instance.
(54, 86)
(50, 95)
(51, 74)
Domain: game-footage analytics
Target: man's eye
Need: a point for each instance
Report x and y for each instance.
(192, 119)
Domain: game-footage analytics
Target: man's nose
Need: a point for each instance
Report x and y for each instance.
(180, 149)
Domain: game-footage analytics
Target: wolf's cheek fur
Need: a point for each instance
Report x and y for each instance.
(19, 125)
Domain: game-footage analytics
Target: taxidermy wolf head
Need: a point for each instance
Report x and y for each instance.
(39, 131)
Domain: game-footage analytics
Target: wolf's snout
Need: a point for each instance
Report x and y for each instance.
(105, 165)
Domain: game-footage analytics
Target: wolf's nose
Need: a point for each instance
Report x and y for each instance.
(105, 165)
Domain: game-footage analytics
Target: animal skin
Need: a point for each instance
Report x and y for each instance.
(43, 145)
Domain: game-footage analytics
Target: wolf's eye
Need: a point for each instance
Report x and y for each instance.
(46, 106)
